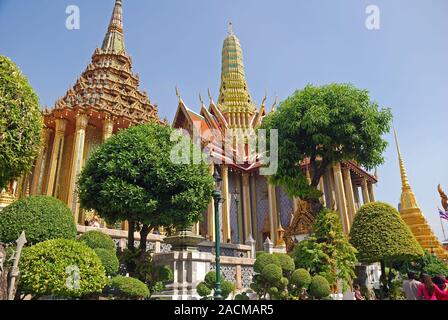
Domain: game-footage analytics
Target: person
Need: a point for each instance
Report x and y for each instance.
(358, 294)
(440, 282)
(427, 290)
(410, 287)
(96, 223)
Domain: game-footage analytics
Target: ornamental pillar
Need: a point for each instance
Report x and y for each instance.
(108, 129)
(56, 155)
(39, 168)
(226, 204)
(272, 199)
(371, 191)
(365, 191)
(348, 186)
(246, 207)
(340, 198)
(82, 121)
(211, 211)
(321, 188)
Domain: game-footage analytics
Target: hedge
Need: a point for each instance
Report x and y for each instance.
(109, 260)
(97, 239)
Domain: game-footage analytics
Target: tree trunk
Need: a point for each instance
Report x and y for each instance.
(131, 235)
(143, 238)
(383, 279)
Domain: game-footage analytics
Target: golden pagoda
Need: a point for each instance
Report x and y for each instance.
(105, 99)
(413, 216)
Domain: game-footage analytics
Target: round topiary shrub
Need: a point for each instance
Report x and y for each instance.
(301, 278)
(380, 234)
(20, 123)
(263, 260)
(128, 288)
(109, 260)
(242, 297)
(272, 273)
(61, 268)
(227, 288)
(97, 239)
(203, 290)
(41, 217)
(286, 262)
(210, 279)
(319, 287)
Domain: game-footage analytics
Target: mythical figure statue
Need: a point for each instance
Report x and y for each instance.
(443, 197)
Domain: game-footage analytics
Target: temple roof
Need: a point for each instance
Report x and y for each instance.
(107, 88)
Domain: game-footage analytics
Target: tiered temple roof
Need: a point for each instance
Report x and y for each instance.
(107, 89)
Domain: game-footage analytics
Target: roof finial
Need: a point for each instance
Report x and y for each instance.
(178, 96)
(230, 29)
(264, 99)
(210, 96)
(274, 105)
(200, 99)
(114, 39)
(404, 178)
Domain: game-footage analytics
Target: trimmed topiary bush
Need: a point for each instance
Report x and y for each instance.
(20, 123)
(319, 287)
(109, 260)
(301, 278)
(128, 288)
(272, 273)
(61, 268)
(286, 263)
(97, 239)
(227, 288)
(242, 297)
(203, 290)
(210, 279)
(41, 217)
(263, 260)
(380, 234)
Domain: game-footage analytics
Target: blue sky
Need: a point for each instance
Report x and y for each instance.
(287, 44)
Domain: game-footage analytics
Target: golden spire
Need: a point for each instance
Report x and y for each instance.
(114, 39)
(178, 96)
(404, 177)
(234, 95)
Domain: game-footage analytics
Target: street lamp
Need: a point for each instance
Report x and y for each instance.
(217, 200)
(236, 195)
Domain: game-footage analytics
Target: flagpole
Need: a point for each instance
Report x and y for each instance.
(443, 229)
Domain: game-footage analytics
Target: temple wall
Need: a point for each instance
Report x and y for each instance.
(285, 207)
(262, 209)
(233, 209)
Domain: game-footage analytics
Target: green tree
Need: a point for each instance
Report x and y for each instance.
(325, 125)
(327, 251)
(41, 217)
(131, 177)
(380, 235)
(20, 123)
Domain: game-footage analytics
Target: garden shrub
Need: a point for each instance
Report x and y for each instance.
(272, 273)
(126, 288)
(41, 217)
(203, 290)
(227, 287)
(263, 260)
(301, 278)
(286, 263)
(97, 239)
(109, 260)
(45, 269)
(319, 287)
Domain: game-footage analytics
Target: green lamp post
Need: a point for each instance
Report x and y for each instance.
(217, 200)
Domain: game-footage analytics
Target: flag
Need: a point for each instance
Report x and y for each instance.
(443, 214)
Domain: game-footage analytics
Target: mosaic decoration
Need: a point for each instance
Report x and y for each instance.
(247, 273)
(233, 210)
(286, 207)
(229, 272)
(262, 205)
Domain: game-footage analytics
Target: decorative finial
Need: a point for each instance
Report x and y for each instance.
(178, 95)
(200, 99)
(404, 177)
(210, 96)
(274, 105)
(230, 29)
(264, 99)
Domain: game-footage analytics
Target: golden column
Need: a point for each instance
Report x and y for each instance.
(272, 199)
(40, 162)
(365, 191)
(56, 155)
(246, 207)
(340, 197)
(226, 203)
(348, 186)
(321, 188)
(211, 211)
(82, 121)
(108, 129)
(371, 192)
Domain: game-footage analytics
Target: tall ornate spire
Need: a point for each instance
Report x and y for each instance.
(235, 100)
(404, 177)
(413, 216)
(114, 39)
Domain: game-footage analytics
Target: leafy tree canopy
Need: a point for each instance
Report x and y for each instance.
(131, 177)
(380, 234)
(326, 125)
(20, 123)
